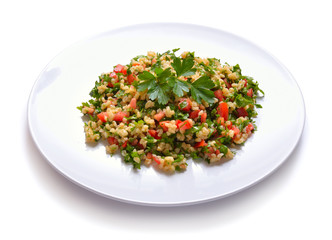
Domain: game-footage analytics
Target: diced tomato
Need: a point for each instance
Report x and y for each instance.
(131, 78)
(149, 155)
(91, 111)
(217, 152)
(222, 110)
(236, 130)
(178, 122)
(156, 159)
(134, 143)
(218, 94)
(159, 116)
(200, 144)
(112, 140)
(186, 124)
(120, 69)
(153, 61)
(221, 121)
(113, 75)
(119, 116)
(163, 125)
(194, 114)
(139, 145)
(133, 103)
(210, 150)
(154, 134)
(229, 125)
(241, 112)
(203, 117)
(250, 92)
(228, 85)
(249, 128)
(124, 145)
(185, 104)
(136, 64)
(245, 82)
(102, 116)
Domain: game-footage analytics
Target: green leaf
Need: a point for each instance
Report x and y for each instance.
(204, 82)
(158, 70)
(184, 67)
(145, 75)
(200, 89)
(150, 81)
(160, 92)
(178, 86)
(242, 101)
(164, 74)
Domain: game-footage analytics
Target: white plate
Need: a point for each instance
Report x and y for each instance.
(57, 128)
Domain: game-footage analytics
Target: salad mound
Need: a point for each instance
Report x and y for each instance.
(161, 109)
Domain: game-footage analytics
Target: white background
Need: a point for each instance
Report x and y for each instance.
(38, 203)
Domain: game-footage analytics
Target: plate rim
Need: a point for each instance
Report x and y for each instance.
(158, 203)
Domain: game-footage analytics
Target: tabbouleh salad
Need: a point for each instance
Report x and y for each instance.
(161, 109)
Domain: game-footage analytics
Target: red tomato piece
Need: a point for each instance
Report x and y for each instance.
(156, 159)
(185, 104)
(228, 85)
(120, 69)
(112, 140)
(163, 125)
(221, 121)
(133, 103)
(124, 145)
(134, 143)
(159, 116)
(249, 128)
(119, 116)
(139, 145)
(131, 78)
(149, 155)
(218, 94)
(203, 117)
(217, 152)
(177, 123)
(236, 130)
(136, 64)
(200, 144)
(91, 111)
(186, 124)
(102, 116)
(113, 75)
(154, 134)
(241, 112)
(250, 92)
(245, 82)
(194, 114)
(222, 110)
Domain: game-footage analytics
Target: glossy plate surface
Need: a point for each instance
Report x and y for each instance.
(57, 128)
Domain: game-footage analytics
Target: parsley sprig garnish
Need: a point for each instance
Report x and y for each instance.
(162, 83)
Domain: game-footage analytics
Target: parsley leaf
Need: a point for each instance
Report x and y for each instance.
(160, 91)
(148, 83)
(200, 89)
(242, 101)
(158, 87)
(164, 74)
(178, 86)
(184, 67)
